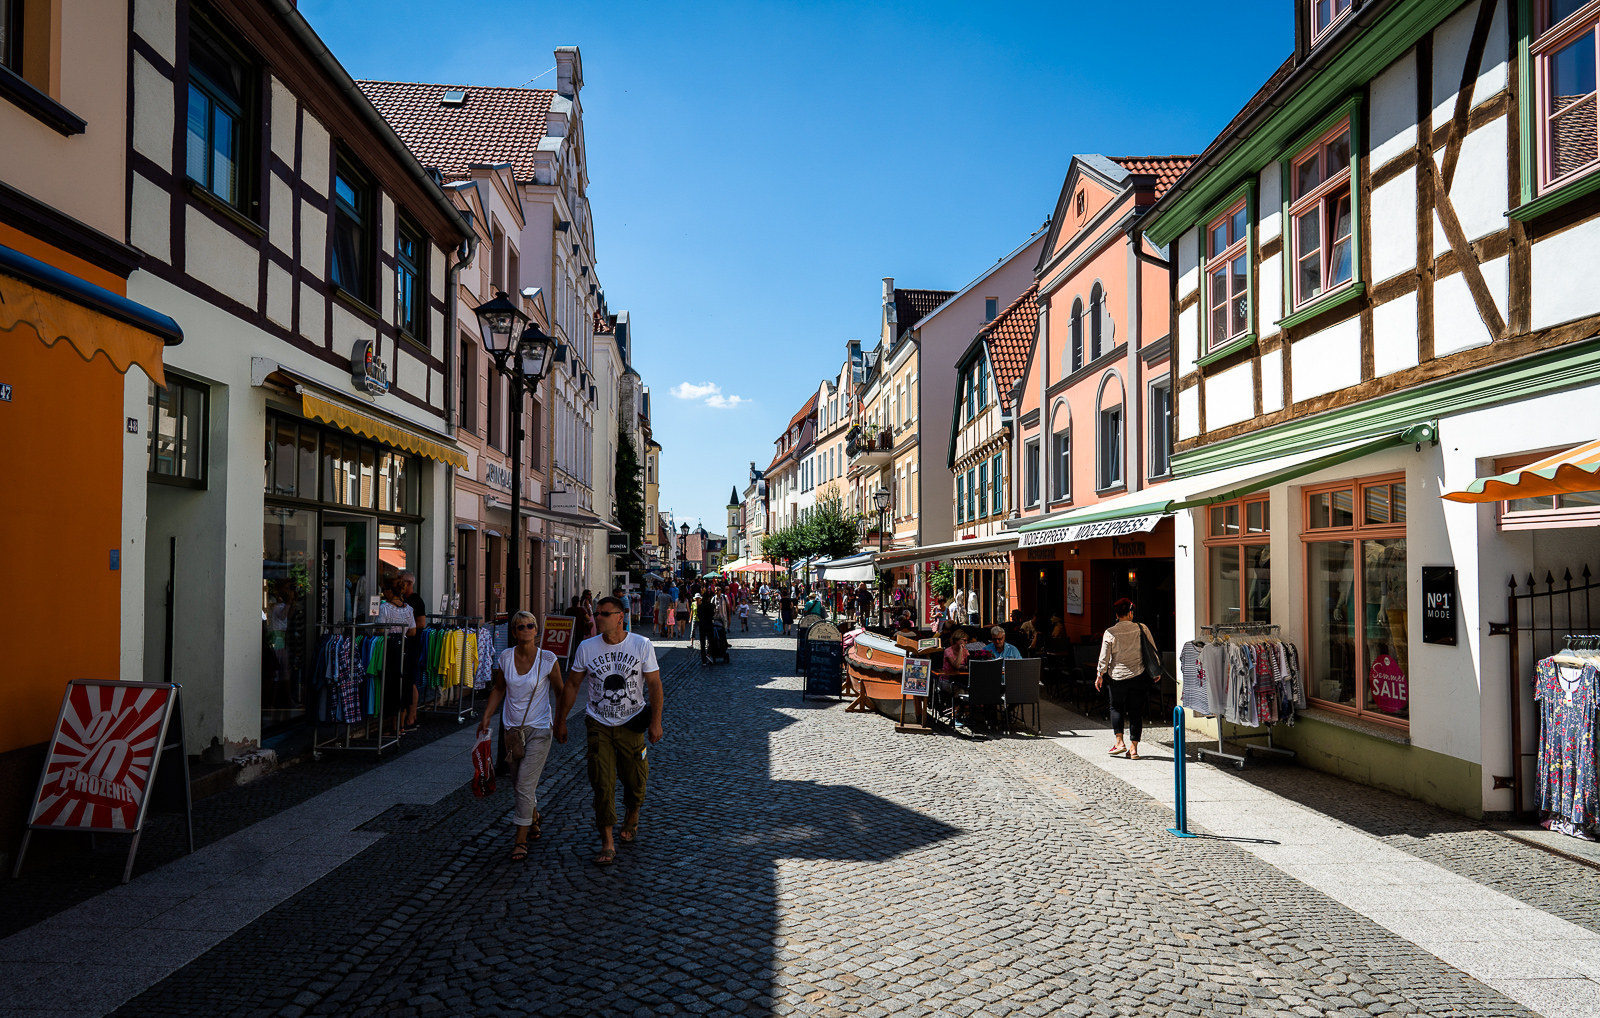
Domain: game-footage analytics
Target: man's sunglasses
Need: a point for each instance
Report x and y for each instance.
(526, 625)
(608, 613)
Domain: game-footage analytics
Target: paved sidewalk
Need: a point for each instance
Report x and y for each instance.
(1543, 961)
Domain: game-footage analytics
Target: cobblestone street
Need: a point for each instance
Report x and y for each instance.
(797, 859)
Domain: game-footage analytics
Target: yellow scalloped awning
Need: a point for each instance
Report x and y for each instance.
(87, 330)
(354, 421)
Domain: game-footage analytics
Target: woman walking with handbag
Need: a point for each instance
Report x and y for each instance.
(1129, 661)
(524, 675)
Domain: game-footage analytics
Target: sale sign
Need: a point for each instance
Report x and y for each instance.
(1389, 691)
(102, 756)
(557, 637)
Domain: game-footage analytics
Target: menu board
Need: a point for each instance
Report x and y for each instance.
(824, 670)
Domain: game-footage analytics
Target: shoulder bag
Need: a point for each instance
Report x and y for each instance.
(1150, 655)
(516, 741)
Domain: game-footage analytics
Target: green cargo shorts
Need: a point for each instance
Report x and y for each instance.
(613, 752)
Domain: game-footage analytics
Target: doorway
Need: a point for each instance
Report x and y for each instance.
(349, 593)
(1041, 591)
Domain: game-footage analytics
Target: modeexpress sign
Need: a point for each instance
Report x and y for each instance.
(102, 755)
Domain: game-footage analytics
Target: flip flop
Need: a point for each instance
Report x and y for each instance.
(629, 831)
(606, 857)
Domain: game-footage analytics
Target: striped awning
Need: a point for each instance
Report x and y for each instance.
(394, 434)
(1565, 473)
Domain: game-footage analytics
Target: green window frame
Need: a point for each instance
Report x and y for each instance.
(1212, 349)
(997, 470)
(1298, 312)
(961, 498)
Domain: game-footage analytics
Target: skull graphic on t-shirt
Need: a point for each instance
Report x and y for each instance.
(614, 694)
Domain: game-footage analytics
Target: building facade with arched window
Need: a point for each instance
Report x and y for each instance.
(1092, 408)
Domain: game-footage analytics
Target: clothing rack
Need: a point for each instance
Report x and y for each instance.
(1222, 631)
(372, 736)
(458, 701)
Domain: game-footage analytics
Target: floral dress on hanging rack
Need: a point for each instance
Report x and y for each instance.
(1569, 696)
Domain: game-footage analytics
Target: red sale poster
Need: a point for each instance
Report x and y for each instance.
(1389, 691)
(102, 756)
(557, 638)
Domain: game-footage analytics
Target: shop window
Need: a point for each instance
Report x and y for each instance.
(355, 221)
(1227, 277)
(1031, 473)
(1569, 509)
(1161, 428)
(1321, 216)
(1357, 598)
(1239, 561)
(1568, 116)
(1325, 14)
(179, 416)
(411, 285)
(221, 102)
(1110, 450)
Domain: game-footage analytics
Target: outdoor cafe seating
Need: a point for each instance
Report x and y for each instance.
(994, 693)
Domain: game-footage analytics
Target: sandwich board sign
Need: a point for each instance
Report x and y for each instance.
(110, 740)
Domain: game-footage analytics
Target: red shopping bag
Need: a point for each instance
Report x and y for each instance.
(483, 765)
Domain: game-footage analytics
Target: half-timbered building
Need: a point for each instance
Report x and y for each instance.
(1384, 288)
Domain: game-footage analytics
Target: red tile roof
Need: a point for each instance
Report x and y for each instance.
(491, 125)
(805, 411)
(1010, 341)
(1166, 169)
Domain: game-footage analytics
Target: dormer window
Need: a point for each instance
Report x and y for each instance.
(1325, 14)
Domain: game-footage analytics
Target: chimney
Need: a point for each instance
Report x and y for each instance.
(888, 291)
(569, 71)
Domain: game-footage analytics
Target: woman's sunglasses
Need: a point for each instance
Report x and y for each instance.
(526, 625)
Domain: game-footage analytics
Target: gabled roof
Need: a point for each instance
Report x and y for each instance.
(1166, 169)
(1009, 342)
(489, 125)
(912, 306)
(804, 412)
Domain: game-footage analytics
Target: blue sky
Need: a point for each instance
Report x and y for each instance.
(757, 168)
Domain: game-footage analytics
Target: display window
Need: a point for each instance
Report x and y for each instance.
(1354, 535)
(1239, 561)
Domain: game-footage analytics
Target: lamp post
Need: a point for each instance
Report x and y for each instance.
(683, 551)
(880, 501)
(524, 354)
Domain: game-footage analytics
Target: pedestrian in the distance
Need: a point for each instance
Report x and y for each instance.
(624, 710)
(1122, 664)
(786, 613)
(524, 677)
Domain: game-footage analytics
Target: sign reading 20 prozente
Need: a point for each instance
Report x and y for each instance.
(102, 756)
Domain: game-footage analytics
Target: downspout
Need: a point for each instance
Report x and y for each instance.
(452, 348)
(1044, 407)
(1133, 427)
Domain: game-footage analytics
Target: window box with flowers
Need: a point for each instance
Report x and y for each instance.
(1321, 213)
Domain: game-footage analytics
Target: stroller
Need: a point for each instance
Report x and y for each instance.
(717, 647)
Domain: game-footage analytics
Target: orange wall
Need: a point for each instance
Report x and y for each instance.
(61, 440)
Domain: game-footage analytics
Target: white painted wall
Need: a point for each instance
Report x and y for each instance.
(1564, 276)
(1230, 396)
(1394, 335)
(1394, 208)
(1272, 381)
(1326, 361)
(1393, 115)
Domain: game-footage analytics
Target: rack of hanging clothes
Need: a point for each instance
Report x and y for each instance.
(357, 686)
(453, 658)
(1566, 686)
(1247, 676)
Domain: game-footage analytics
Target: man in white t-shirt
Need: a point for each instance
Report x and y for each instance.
(624, 709)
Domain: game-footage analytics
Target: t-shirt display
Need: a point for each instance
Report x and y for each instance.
(615, 676)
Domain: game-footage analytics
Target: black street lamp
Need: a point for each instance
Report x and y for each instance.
(880, 501)
(524, 354)
(683, 550)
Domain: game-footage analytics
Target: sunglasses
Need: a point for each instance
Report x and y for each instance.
(608, 613)
(526, 625)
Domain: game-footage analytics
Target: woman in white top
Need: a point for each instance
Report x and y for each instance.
(524, 676)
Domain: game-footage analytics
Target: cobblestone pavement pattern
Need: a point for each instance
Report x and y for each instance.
(796, 859)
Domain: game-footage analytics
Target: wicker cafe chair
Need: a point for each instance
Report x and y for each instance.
(1022, 690)
(985, 689)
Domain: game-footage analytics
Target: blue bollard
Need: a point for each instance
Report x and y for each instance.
(1180, 782)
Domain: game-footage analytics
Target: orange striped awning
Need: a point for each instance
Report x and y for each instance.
(1564, 473)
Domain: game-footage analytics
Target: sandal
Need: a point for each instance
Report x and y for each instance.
(535, 828)
(1133, 754)
(1117, 750)
(606, 857)
(629, 831)
(519, 852)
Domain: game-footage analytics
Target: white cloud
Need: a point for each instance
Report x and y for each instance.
(689, 390)
(722, 402)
